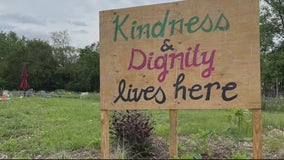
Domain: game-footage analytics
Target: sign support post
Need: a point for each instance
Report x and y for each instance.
(105, 134)
(173, 133)
(257, 130)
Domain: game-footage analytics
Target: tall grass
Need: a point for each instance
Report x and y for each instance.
(272, 104)
(273, 113)
(273, 119)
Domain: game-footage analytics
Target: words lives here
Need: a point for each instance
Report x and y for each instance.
(167, 59)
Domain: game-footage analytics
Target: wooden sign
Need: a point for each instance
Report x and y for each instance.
(195, 54)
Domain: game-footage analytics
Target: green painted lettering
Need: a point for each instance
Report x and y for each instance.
(166, 27)
(133, 29)
(225, 26)
(162, 27)
(141, 29)
(118, 27)
(192, 21)
(173, 23)
(210, 25)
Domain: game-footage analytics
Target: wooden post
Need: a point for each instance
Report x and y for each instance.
(173, 133)
(257, 133)
(105, 134)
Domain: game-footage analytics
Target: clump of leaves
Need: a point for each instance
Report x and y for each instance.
(240, 123)
(133, 130)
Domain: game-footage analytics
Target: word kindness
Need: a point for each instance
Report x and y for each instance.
(129, 93)
(192, 57)
(191, 25)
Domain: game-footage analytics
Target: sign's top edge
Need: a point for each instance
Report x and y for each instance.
(133, 7)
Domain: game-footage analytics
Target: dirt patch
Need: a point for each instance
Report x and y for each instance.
(3, 156)
(76, 154)
(273, 144)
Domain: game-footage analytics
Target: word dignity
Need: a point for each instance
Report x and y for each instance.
(193, 57)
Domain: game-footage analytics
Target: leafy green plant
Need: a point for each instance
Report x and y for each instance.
(197, 144)
(194, 152)
(241, 123)
(133, 130)
(203, 139)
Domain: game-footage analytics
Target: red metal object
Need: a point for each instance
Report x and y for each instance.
(24, 84)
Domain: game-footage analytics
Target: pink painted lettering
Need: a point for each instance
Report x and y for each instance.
(164, 62)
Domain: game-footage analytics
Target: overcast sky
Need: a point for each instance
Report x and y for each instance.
(38, 18)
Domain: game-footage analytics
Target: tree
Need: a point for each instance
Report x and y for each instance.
(271, 24)
(66, 57)
(41, 65)
(62, 51)
(272, 46)
(11, 55)
(90, 63)
(86, 76)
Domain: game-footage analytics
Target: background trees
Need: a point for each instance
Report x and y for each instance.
(87, 69)
(12, 52)
(50, 66)
(272, 47)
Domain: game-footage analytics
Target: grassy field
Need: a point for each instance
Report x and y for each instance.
(37, 127)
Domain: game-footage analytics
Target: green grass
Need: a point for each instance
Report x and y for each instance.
(193, 121)
(273, 119)
(272, 104)
(35, 126)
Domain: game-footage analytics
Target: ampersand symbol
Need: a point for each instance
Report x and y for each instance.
(166, 46)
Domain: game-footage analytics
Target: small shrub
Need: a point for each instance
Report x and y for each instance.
(240, 126)
(202, 142)
(133, 130)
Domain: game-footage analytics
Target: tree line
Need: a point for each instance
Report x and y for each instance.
(272, 47)
(61, 66)
(50, 66)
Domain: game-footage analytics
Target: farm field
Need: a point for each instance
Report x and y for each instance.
(64, 127)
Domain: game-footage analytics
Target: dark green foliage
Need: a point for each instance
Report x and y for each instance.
(50, 67)
(133, 130)
(272, 47)
(12, 52)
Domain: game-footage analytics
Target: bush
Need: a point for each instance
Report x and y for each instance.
(133, 130)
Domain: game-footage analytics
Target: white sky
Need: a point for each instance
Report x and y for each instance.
(38, 18)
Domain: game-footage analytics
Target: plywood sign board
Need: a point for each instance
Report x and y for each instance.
(195, 54)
